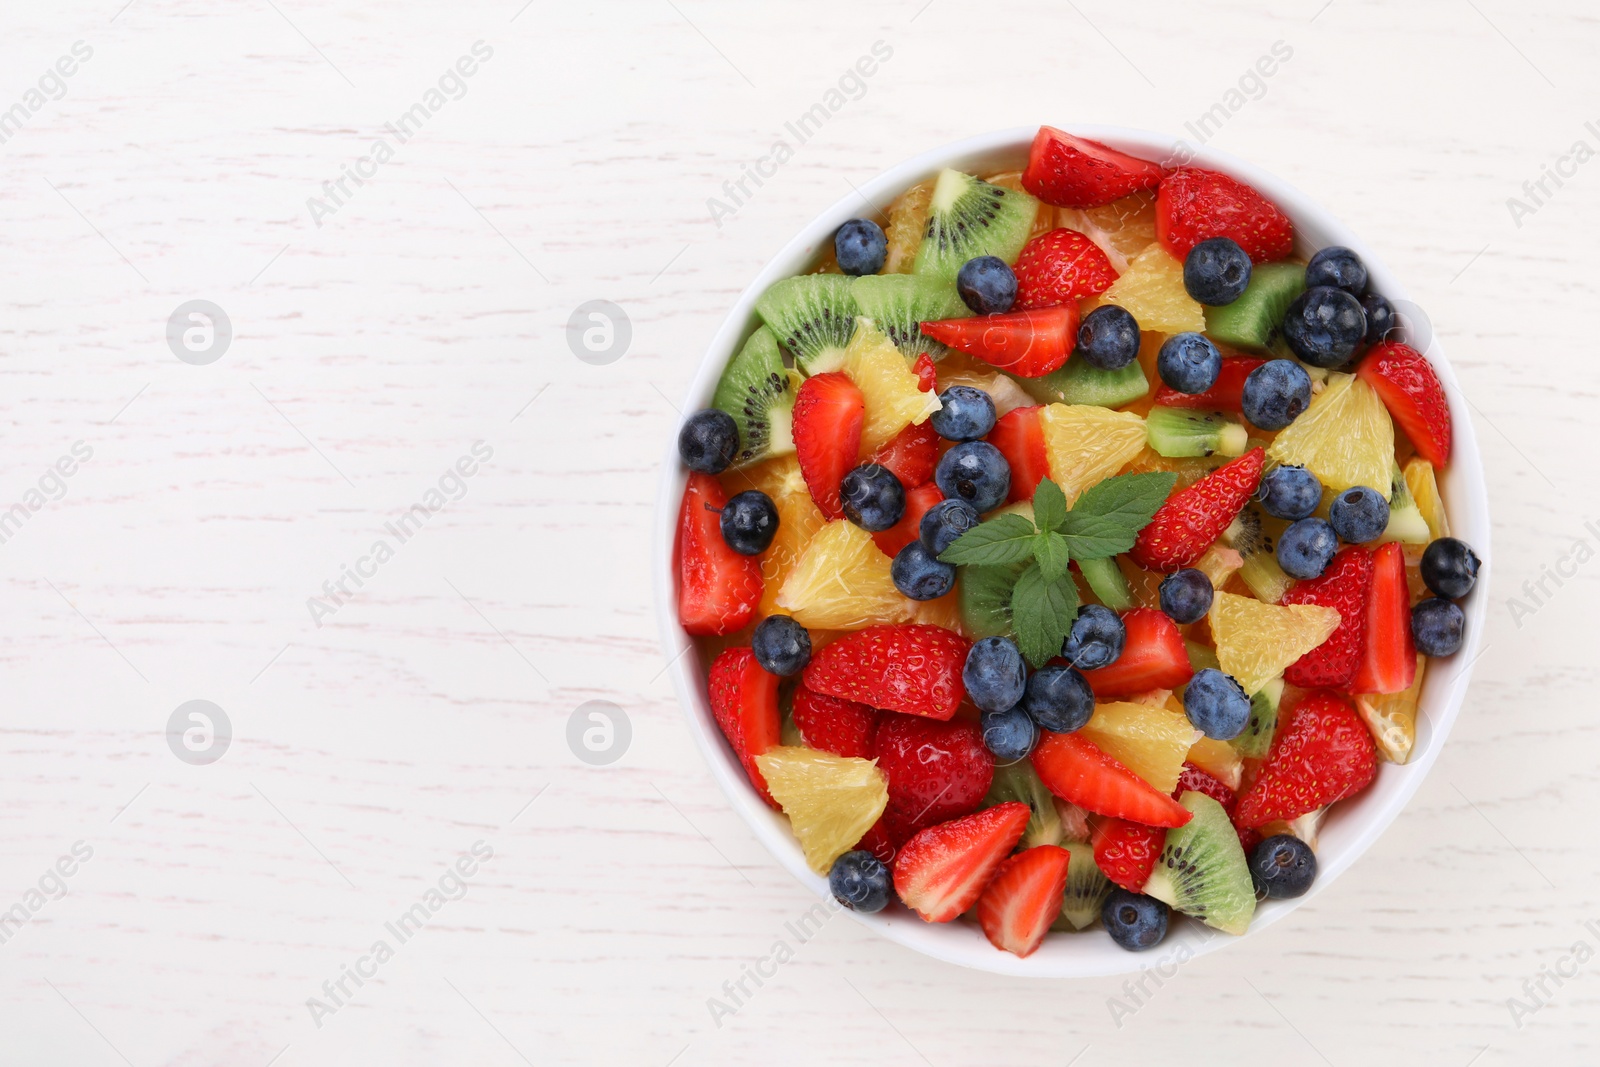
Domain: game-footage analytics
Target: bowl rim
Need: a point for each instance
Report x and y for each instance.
(1088, 953)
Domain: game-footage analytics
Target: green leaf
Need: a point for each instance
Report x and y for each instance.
(1109, 515)
(1003, 539)
(1050, 550)
(1092, 537)
(1041, 614)
(1049, 505)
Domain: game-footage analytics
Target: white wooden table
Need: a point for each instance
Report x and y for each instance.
(378, 337)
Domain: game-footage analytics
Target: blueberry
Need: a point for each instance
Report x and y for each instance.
(781, 645)
(1096, 639)
(873, 497)
(1009, 734)
(1059, 699)
(1109, 337)
(1186, 595)
(1283, 866)
(987, 285)
(860, 247)
(1216, 704)
(994, 673)
(1339, 267)
(965, 414)
(860, 881)
(1359, 514)
(1189, 363)
(749, 522)
(944, 522)
(1289, 492)
(1324, 325)
(1380, 317)
(918, 575)
(1216, 271)
(708, 441)
(1306, 548)
(1275, 393)
(1449, 568)
(976, 472)
(1436, 624)
(1134, 921)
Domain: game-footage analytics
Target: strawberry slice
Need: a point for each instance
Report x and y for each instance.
(912, 454)
(1024, 898)
(936, 771)
(1345, 585)
(1226, 394)
(911, 668)
(927, 374)
(1196, 205)
(1126, 852)
(842, 727)
(718, 589)
(1202, 781)
(1414, 395)
(828, 412)
(744, 699)
(902, 533)
(1193, 518)
(1073, 171)
(1322, 753)
(1019, 435)
(1029, 344)
(941, 872)
(1154, 657)
(1059, 267)
(878, 842)
(1074, 769)
(1389, 661)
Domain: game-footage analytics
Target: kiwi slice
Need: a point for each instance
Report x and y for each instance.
(968, 217)
(1256, 740)
(1248, 536)
(755, 390)
(1079, 382)
(984, 598)
(1180, 432)
(1201, 656)
(1202, 871)
(813, 317)
(1406, 523)
(1019, 781)
(901, 303)
(1254, 321)
(1106, 582)
(1087, 889)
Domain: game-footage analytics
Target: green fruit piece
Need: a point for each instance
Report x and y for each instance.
(1078, 382)
(1202, 871)
(1086, 891)
(1106, 582)
(813, 317)
(1253, 321)
(1248, 536)
(755, 390)
(984, 597)
(1201, 656)
(1406, 523)
(1256, 739)
(968, 217)
(1019, 781)
(900, 303)
(1180, 433)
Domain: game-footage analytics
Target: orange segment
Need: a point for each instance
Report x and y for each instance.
(830, 800)
(842, 582)
(1150, 741)
(798, 521)
(1123, 228)
(908, 219)
(1424, 489)
(1392, 717)
(1345, 437)
(1088, 443)
(1152, 291)
(1256, 641)
(892, 392)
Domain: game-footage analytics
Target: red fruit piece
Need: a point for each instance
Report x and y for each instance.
(1024, 898)
(1344, 585)
(1225, 394)
(1414, 395)
(1126, 852)
(1195, 205)
(1389, 659)
(718, 589)
(935, 770)
(879, 842)
(1029, 344)
(941, 872)
(1058, 267)
(927, 374)
(1073, 171)
(1322, 753)
(902, 533)
(828, 412)
(1019, 435)
(842, 727)
(912, 454)
(913, 668)
(1193, 518)
(1074, 769)
(1153, 657)
(744, 699)
(1197, 779)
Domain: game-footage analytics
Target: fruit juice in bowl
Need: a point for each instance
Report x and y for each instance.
(1072, 553)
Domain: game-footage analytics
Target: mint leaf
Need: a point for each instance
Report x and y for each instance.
(1050, 550)
(1041, 615)
(1128, 499)
(1049, 505)
(1090, 537)
(1003, 539)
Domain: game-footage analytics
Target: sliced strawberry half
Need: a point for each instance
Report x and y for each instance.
(1193, 518)
(1200, 780)
(1058, 268)
(1075, 769)
(744, 700)
(1153, 657)
(1029, 344)
(878, 841)
(1225, 394)
(914, 668)
(907, 530)
(1019, 435)
(1073, 171)
(942, 871)
(842, 727)
(828, 412)
(1345, 585)
(1389, 660)
(1196, 205)
(1410, 388)
(1024, 898)
(927, 373)
(1322, 753)
(935, 771)
(718, 589)
(1126, 852)
(911, 454)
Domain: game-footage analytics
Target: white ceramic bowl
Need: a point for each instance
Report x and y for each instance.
(1350, 827)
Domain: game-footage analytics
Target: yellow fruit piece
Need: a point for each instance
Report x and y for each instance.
(1150, 741)
(1219, 564)
(1425, 491)
(891, 389)
(1218, 759)
(1152, 291)
(908, 220)
(1123, 228)
(830, 800)
(1003, 390)
(1392, 717)
(944, 611)
(1087, 443)
(842, 582)
(798, 521)
(1344, 437)
(1256, 641)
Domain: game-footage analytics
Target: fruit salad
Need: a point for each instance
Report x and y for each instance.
(1062, 547)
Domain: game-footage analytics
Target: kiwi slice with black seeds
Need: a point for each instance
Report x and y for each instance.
(1202, 871)
(1254, 322)
(1181, 432)
(1249, 536)
(901, 303)
(813, 317)
(755, 390)
(967, 218)
(984, 598)
(1020, 782)
(1406, 523)
(1086, 891)
(1256, 739)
